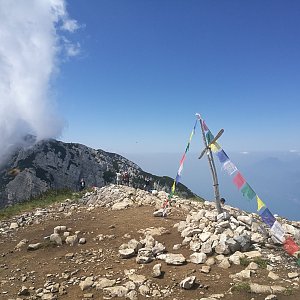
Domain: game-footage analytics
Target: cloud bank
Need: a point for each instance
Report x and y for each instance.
(33, 40)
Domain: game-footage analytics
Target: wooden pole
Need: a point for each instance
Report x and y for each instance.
(213, 170)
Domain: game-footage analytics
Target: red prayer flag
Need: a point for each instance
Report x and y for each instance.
(182, 159)
(204, 126)
(239, 180)
(290, 246)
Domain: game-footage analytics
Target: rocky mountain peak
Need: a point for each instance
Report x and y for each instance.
(52, 164)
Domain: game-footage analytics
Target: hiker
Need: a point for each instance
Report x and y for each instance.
(81, 184)
(147, 184)
(222, 201)
(126, 178)
(118, 178)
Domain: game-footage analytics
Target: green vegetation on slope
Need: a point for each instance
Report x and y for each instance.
(42, 201)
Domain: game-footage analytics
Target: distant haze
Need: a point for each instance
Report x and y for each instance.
(275, 177)
(32, 40)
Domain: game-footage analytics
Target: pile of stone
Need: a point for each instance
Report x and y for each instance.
(206, 232)
(119, 197)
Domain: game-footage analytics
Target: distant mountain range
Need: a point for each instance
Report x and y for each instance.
(274, 176)
(57, 165)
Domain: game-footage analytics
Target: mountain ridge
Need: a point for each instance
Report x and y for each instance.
(52, 164)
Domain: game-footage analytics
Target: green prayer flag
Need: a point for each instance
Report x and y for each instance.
(247, 191)
(209, 137)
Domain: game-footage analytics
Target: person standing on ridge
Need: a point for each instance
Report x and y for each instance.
(126, 178)
(118, 178)
(81, 184)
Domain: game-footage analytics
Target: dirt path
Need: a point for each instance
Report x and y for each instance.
(101, 258)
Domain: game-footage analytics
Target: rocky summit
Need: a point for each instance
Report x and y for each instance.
(51, 164)
(112, 243)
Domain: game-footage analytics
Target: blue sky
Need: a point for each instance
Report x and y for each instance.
(146, 67)
(128, 76)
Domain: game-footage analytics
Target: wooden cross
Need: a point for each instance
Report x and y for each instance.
(212, 142)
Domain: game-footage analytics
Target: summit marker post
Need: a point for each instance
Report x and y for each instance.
(211, 163)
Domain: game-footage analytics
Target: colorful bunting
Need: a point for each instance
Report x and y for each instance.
(276, 229)
(178, 176)
(247, 191)
(239, 180)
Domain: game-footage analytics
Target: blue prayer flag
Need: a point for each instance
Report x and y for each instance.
(267, 216)
(222, 156)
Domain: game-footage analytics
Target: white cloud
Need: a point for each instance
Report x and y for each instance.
(71, 49)
(31, 44)
(244, 152)
(293, 151)
(70, 25)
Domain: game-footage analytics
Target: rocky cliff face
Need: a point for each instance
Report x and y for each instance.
(53, 164)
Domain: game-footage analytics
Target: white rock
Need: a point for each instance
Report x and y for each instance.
(245, 219)
(59, 229)
(198, 258)
(13, 225)
(273, 276)
(104, 282)
(244, 274)
(55, 238)
(156, 271)
(122, 205)
(34, 246)
(144, 290)
(175, 259)
(82, 241)
(253, 254)
(71, 240)
(293, 275)
(224, 264)
(87, 283)
(126, 253)
(115, 291)
(188, 282)
(137, 279)
(205, 236)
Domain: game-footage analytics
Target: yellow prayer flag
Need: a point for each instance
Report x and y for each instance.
(191, 136)
(215, 147)
(173, 187)
(260, 204)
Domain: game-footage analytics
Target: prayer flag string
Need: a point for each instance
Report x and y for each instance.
(178, 175)
(239, 181)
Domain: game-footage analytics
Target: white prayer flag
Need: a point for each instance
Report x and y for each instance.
(229, 167)
(277, 231)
